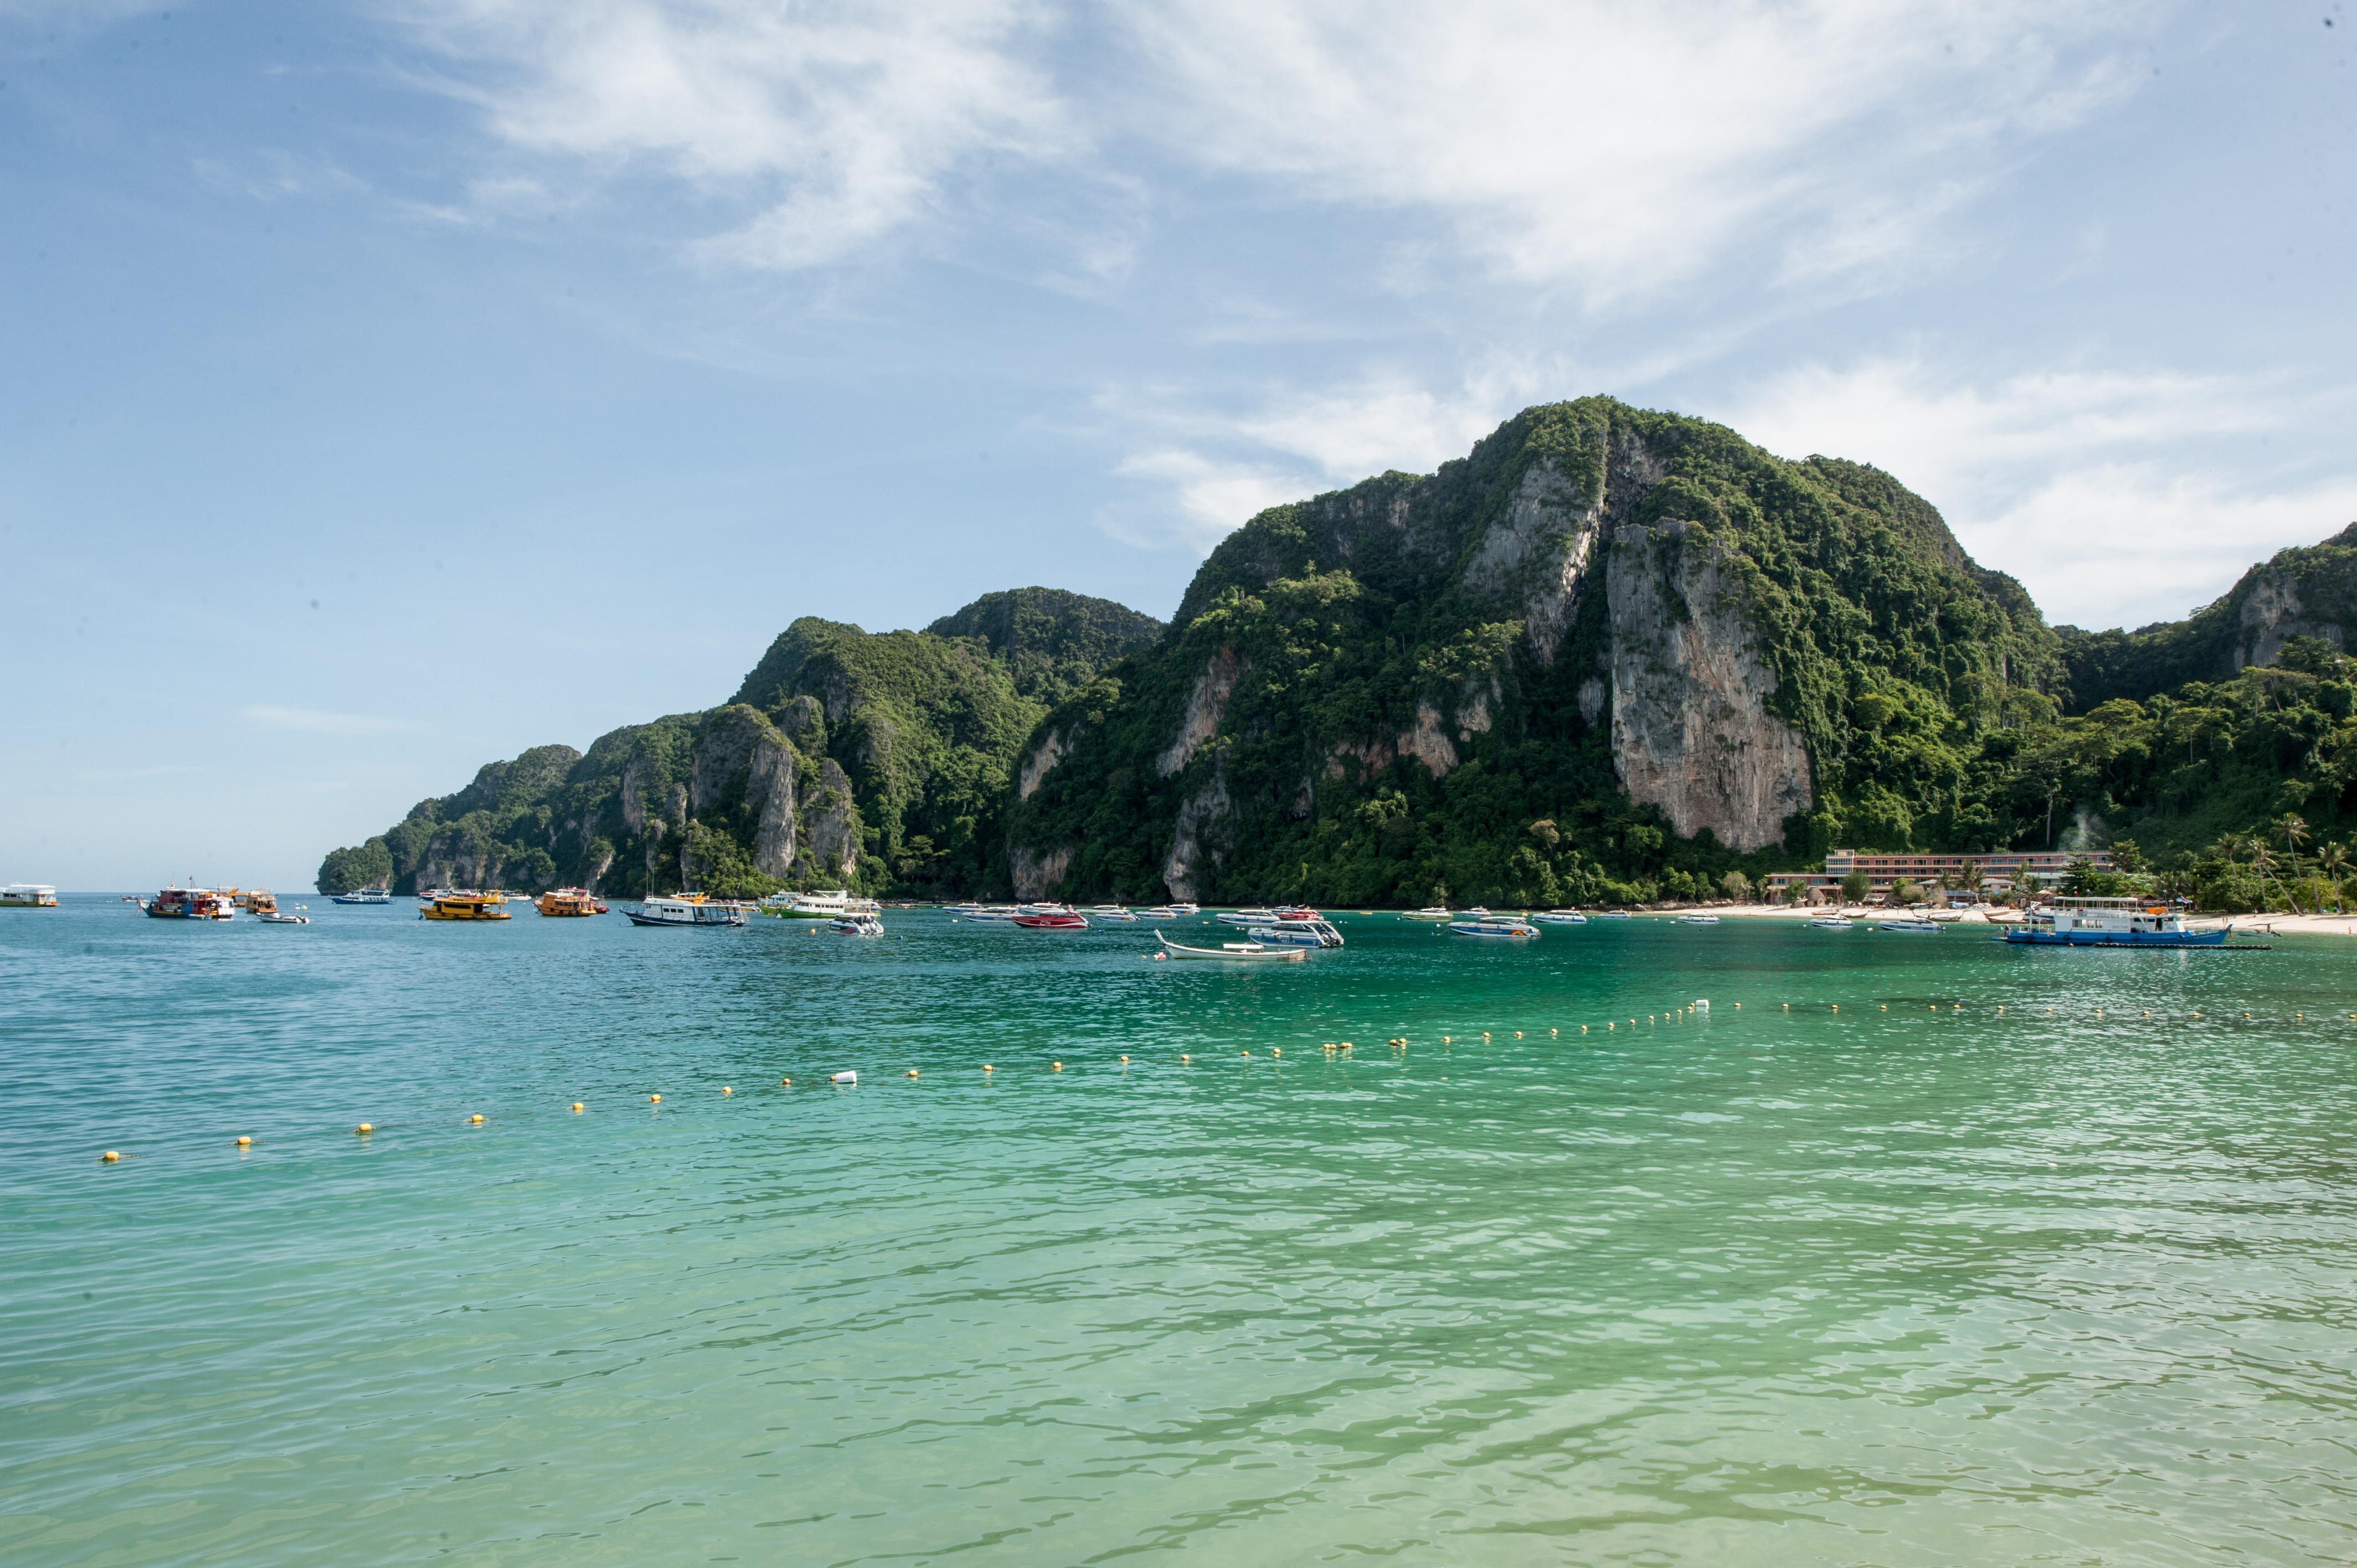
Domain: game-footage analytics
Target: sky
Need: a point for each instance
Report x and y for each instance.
(387, 387)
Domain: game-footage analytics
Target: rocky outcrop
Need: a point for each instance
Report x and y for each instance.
(1428, 742)
(2274, 614)
(1207, 705)
(1205, 828)
(1039, 762)
(1036, 876)
(1691, 730)
(831, 826)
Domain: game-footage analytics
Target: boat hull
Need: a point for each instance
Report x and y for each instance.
(2114, 938)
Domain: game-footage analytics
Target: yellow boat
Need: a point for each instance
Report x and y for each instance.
(256, 900)
(570, 901)
(465, 907)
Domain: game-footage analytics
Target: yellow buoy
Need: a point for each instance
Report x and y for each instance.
(365, 1127)
(1553, 1033)
(784, 1082)
(1125, 1059)
(1485, 1033)
(725, 1089)
(242, 1140)
(1518, 1033)
(109, 1157)
(1185, 1058)
(654, 1100)
(1837, 1006)
(1960, 1008)
(1276, 1050)
(987, 1067)
(1738, 1007)
(477, 1117)
(1246, 1053)
(1444, 1039)
(576, 1107)
(1788, 1006)
(1058, 1067)
(912, 1072)
(2000, 1009)
(1583, 1029)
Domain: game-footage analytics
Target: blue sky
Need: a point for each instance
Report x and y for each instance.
(387, 387)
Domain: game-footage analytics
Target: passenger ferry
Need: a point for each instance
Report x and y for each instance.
(685, 909)
(832, 906)
(29, 895)
(465, 907)
(177, 903)
(366, 896)
(2114, 923)
(564, 902)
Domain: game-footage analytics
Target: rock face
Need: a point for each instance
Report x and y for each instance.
(1691, 729)
(1206, 821)
(1206, 705)
(1035, 875)
(832, 820)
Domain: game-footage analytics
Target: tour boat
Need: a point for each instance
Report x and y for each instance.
(467, 906)
(2114, 923)
(176, 903)
(1697, 919)
(855, 926)
(807, 906)
(255, 900)
(567, 902)
(685, 909)
(366, 896)
(1299, 933)
(1431, 912)
(1110, 912)
(1053, 920)
(1562, 918)
(1832, 923)
(29, 895)
(1493, 927)
(1910, 928)
(1240, 953)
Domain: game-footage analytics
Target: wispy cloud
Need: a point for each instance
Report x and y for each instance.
(315, 721)
(2113, 495)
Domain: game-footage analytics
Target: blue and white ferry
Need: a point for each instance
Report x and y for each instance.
(2114, 923)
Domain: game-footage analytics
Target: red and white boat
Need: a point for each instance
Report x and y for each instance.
(176, 903)
(1053, 920)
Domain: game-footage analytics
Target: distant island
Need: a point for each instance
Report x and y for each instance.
(1612, 655)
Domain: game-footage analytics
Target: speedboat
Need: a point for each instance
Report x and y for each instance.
(1252, 915)
(2113, 923)
(1301, 933)
(1240, 953)
(465, 907)
(994, 915)
(1910, 928)
(1164, 911)
(1181, 906)
(1611, 914)
(1053, 920)
(1110, 912)
(855, 926)
(1430, 912)
(285, 916)
(1697, 919)
(29, 895)
(366, 896)
(1493, 927)
(685, 909)
(1561, 918)
(1832, 923)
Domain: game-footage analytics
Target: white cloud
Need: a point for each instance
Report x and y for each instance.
(314, 720)
(823, 127)
(2114, 496)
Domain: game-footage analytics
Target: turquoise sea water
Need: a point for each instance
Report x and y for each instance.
(1902, 1283)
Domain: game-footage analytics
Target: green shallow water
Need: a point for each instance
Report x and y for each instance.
(1902, 1286)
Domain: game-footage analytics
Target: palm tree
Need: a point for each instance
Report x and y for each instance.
(1968, 878)
(2294, 835)
(2332, 859)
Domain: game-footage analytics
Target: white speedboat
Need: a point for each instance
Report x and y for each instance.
(366, 896)
(1300, 933)
(1493, 927)
(855, 926)
(1832, 923)
(1611, 915)
(1235, 952)
(1252, 916)
(1109, 912)
(1561, 918)
(993, 915)
(1910, 928)
(1697, 919)
(685, 909)
(294, 917)
(1430, 912)
(1163, 912)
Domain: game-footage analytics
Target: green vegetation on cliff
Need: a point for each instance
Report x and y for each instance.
(1050, 641)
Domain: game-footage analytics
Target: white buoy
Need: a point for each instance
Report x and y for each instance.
(845, 1077)
(1702, 1004)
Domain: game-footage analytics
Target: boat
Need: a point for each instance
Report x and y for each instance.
(467, 906)
(685, 909)
(1610, 915)
(1910, 928)
(255, 900)
(1318, 933)
(1239, 952)
(1430, 912)
(1493, 927)
(855, 926)
(29, 895)
(996, 915)
(1697, 919)
(1052, 920)
(1110, 912)
(2113, 923)
(294, 917)
(1165, 911)
(366, 896)
(177, 903)
(816, 906)
(1832, 923)
(1252, 915)
(1561, 918)
(1180, 907)
(567, 902)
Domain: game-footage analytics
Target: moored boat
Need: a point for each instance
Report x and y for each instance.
(685, 909)
(366, 896)
(1910, 928)
(1052, 920)
(814, 905)
(1430, 912)
(256, 900)
(29, 895)
(1610, 915)
(1492, 928)
(1250, 915)
(1832, 923)
(1697, 919)
(1561, 918)
(1317, 933)
(1236, 952)
(568, 903)
(993, 915)
(294, 917)
(1110, 912)
(2113, 923)
(855, 926)
(467, 906)
(177, 903)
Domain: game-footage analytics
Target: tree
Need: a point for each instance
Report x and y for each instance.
(1855, 887)
(1737, 886)
(2079, 878)
(1904, 893)
(1968, 879)
(2127, 857)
